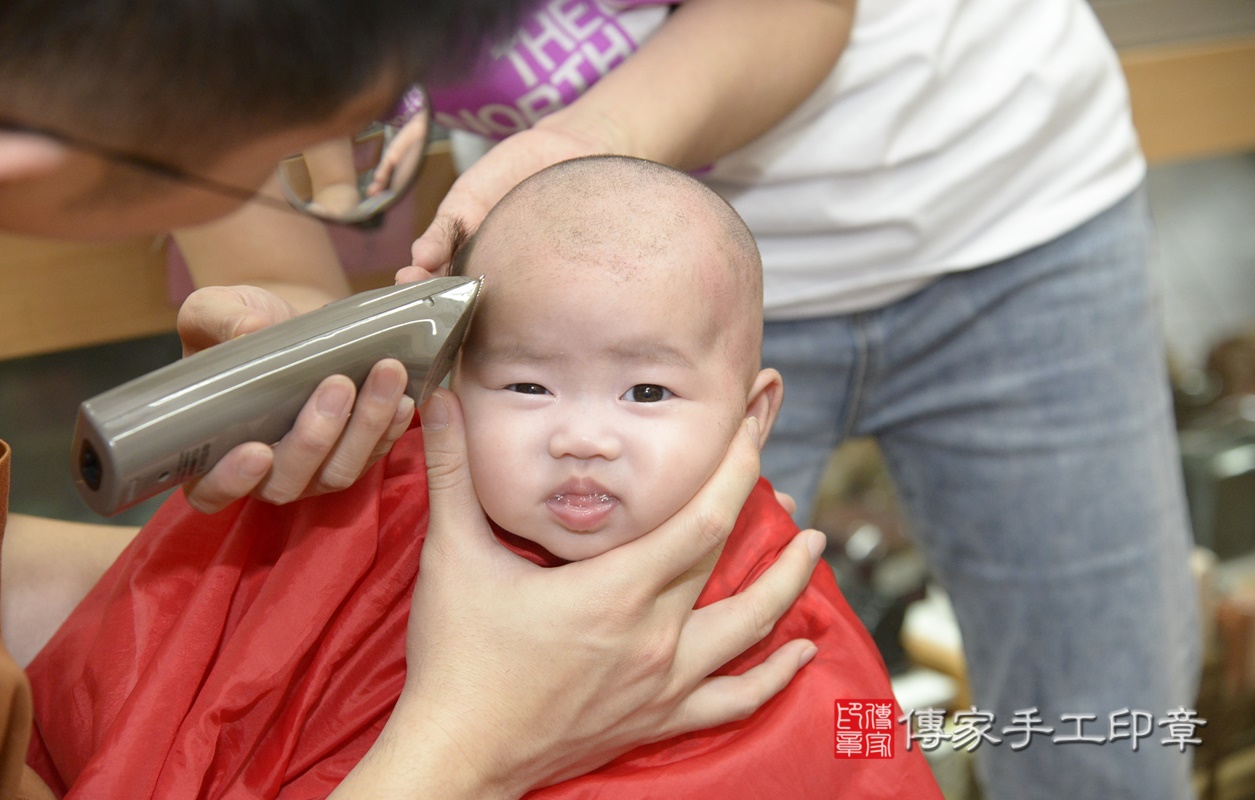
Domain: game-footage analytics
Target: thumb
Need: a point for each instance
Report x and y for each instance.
(412, 275)
(434, 249)
(455, 510)
(217, 314)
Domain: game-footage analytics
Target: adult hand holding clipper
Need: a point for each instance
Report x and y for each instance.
(220, 406)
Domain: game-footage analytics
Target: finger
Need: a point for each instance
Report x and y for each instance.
(455, 509)
(728, 698)
(786, 502)
(717, 633)
(399, 425)
(372, 417)
(218, 314)
(412, 275)
(303, 450)
(434, 249)
(383, 173)
(233, 477)
(209, 316)
(699, 528)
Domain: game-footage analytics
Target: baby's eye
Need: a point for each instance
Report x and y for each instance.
(527, 388)
(646, 393)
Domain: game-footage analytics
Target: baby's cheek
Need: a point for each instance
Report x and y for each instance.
(496, 493)
(673, 485)
(480, 458)
(501, 482)
(692, 465)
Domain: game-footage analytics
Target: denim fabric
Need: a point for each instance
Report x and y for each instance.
(1024, 413)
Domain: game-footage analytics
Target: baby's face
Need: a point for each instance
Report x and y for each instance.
(596, 402)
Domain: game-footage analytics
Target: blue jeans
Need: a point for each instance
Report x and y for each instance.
(1024, 413)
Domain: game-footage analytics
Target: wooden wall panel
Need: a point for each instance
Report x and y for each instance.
(1193, 100)
(59, 295)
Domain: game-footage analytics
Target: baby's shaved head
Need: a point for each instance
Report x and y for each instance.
(614, 351)
(627, 217)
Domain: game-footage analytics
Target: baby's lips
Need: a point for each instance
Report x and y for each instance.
(583, 501)
(583, 486)
(582, 512)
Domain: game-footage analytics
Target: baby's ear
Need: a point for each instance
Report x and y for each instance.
(765, 396)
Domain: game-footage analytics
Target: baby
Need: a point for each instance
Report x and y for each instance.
(614, 352)
(259, 651)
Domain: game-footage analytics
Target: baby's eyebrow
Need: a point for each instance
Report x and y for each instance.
(653, 352)
(510, 352)
(645, 352)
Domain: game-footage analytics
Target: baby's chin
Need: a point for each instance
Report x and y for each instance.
(578, 546)
(572, 546)
(551, 536)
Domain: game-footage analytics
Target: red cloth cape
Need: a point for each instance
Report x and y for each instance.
(257, 653)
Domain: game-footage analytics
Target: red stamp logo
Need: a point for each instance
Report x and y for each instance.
(864, 729)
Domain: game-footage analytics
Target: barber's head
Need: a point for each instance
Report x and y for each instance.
(219, 88)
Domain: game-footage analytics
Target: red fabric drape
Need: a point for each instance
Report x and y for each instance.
(257, 653)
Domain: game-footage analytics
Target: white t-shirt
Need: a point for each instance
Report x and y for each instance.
(951, 134)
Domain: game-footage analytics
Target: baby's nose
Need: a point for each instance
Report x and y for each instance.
(585, 434)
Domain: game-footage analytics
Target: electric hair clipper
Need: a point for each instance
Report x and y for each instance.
(173, 424)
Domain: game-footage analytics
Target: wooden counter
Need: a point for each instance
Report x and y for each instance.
(1193, 100)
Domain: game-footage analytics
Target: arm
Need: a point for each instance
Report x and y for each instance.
(716, 76)
(286, 252)
(333, 176)
(525, 676)
(49, 565)
(401, 157)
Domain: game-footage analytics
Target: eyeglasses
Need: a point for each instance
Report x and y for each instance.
(150, 165)
(349, 182)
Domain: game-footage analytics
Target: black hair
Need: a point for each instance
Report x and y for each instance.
(179, 74)
(462, 242)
